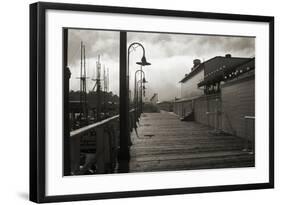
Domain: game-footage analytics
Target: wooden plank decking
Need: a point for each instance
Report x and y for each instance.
(165, 143)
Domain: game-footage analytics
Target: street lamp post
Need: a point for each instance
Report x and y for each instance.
(135, 90)
(139, 94)
(143, 62)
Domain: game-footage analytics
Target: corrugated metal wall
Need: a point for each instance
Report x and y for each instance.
(183, 108)
(238, 101)
(205, 109)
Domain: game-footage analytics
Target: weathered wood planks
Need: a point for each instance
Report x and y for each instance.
(165, 143)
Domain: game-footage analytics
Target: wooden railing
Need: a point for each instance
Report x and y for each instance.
(105, 135)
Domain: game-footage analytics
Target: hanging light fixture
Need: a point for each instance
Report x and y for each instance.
(143, 62)
(144, 80)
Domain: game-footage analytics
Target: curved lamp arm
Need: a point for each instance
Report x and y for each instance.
(136, 43)
(130, 46)
(139, 71)
(135, 91)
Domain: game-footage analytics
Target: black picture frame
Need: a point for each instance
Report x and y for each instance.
(38, 100)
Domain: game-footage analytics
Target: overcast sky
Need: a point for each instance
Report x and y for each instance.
(171, 56)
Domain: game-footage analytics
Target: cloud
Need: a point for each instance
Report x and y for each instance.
(171, 55)
(104, 43)
(167, 45)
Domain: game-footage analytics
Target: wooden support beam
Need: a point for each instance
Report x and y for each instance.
(100, 150)
(66, 138)
(75, 154)
(124, 153)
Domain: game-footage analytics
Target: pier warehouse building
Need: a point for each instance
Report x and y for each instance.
(220, 93)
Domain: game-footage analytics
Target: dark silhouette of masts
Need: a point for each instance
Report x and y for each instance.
(83, 85)
(98, 91)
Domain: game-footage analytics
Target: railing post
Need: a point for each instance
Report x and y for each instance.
(100, 150)
(112, 146)
(115, 126)
(75, 154)
(107, 149)
(103, 150)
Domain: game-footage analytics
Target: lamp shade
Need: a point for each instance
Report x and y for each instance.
(144, 80)
(143, 62)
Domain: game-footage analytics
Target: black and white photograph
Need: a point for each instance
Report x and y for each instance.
(189, 101)
(141, 102)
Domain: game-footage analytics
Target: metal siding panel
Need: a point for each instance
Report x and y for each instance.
(238, 100)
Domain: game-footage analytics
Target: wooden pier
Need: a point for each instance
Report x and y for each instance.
(164, 143)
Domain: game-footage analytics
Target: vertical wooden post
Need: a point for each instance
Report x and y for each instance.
(75, 154)
(124, 153)
(107, 150)
(100, 150)
(115, 140)
(66, 122)
(103, 150)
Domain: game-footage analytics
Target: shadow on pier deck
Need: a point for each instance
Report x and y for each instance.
(165, 143)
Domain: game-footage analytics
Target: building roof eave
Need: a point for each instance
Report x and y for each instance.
(197, 69)
(219, 76)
